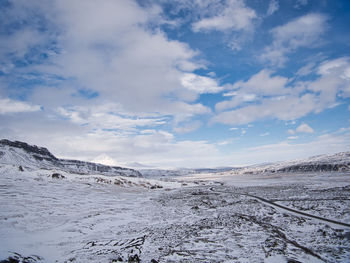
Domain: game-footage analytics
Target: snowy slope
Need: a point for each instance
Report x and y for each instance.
(23, 154)
(339, 162)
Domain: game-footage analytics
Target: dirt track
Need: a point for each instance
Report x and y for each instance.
(286, 208)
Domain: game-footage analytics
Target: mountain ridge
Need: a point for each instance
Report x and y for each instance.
(24, 154)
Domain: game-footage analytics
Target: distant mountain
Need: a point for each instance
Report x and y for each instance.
(339, 162)
(32, 156)
(147, 172)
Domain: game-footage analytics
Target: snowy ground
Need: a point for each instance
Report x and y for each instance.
(195, 218)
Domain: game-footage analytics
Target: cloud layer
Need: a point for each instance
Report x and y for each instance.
(161, 83)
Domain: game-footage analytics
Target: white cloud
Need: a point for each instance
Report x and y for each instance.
(185, 110)
(285, 150)
(65, 140)
(114, 48)
(223, 143)
(200, 84)
(286, 108)
(154, 147)
(293, 137)
(20, 42)
(286, 101)
(264, 134)
(8, 106)
(111, 116)
(237, 100)
(145, 82)
(188, 127)
(343, 130)
(334, 81)
(142, 79)
(333, 66)
(273, 7)
(300, 3)
(107, 116)
(304, 128)
(306, 70)
(291, 131)
(235, 16)
(260, 84)
(305, 31)
(264, 83)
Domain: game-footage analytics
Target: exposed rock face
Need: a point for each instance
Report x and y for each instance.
(23, 154)
(38, 152)
(316, 168)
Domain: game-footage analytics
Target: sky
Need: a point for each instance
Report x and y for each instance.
(180, 83)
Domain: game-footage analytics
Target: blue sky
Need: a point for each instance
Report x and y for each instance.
(158, 83)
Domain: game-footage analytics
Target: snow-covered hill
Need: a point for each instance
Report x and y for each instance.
(339, 162)
(34, 157)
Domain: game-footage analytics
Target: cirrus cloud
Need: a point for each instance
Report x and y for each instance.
(304, 31)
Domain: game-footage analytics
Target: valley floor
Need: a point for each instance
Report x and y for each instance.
(197, 218)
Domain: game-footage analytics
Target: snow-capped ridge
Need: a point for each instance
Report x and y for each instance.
(32, 156)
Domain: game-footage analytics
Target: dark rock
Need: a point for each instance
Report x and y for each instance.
(20, 168)
(10, 260)
(17, 258)
(134, 259)
(156, 186)
(315, 167)
(58, 176)
(119, 259)
(154, 261)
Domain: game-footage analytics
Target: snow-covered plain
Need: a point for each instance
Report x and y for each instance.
(205, 217)
(82, 218)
